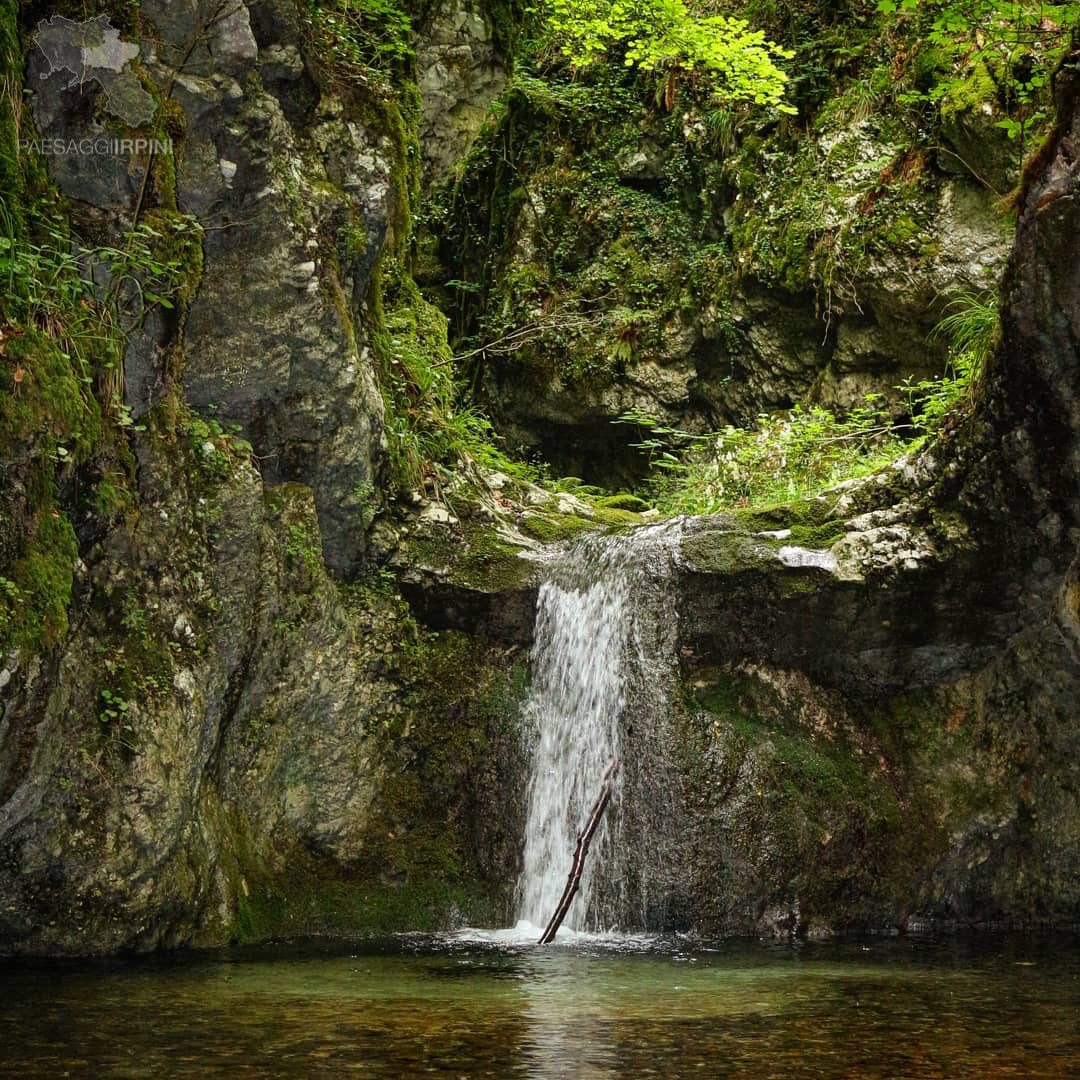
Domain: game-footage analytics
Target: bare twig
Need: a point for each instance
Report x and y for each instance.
(982, 180)
(520, 336)
(580, 851)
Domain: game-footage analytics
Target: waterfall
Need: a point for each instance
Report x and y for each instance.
(603, 658)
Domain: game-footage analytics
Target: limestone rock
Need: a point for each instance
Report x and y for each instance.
(460, 72)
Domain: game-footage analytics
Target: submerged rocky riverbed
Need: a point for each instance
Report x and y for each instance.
(913, 1008)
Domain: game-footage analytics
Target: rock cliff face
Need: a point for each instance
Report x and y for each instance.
(894, 720)
(295, 203)
(227, 741)
(221, 721)
(611, 254)
(460, 72)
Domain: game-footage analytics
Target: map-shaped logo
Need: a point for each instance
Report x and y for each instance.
(92, 50)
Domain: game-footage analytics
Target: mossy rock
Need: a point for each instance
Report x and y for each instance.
(716, 551)
(485, 563)
(551, 528)
(843, 835)
(623, 502)
(807, 515)
(307, 906)
(616, 518)
(34, 600)
(817, 537)
(48, 401)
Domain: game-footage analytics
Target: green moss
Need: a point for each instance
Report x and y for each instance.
(858, 803)
(303, 907)
(804, 514)
(35, 614)
(716, 551)
(172, 124)
(430, 430)
(901, 231)
(506, 19)
(289, 892)
(11, 179)
(47, 418)
(843, 832)
(979, 88)
(395, 118)
(491, 565)
(176, 246)
(48, 401)
(616, 518)
(595, 235)
(550, 528)
(816, 538)
(622, 502)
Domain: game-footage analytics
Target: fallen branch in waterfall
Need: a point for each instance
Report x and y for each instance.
(580, 851)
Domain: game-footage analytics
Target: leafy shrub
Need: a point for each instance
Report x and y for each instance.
(666, 34)
(782, 457)
(987, 51)
(365, 38)
(805, 450)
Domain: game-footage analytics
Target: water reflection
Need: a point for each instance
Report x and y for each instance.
(988, 1008)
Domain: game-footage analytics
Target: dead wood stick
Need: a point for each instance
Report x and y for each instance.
(580, 851)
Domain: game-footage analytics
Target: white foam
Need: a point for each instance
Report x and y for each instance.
(527, 934)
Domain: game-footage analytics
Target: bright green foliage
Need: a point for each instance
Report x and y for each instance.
(42, 288)
(666, 34)
(303, 544)
(971, 330)
(621, 257)
(150, 267)
(996, 53)
(783, 457)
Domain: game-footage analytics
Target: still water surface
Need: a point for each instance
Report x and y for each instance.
(476, 1005)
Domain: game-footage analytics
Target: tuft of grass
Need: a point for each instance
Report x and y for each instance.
(783, 457)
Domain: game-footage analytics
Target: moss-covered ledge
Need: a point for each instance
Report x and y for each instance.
(474, 562)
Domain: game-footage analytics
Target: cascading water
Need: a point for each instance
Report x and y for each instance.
(603, 658)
